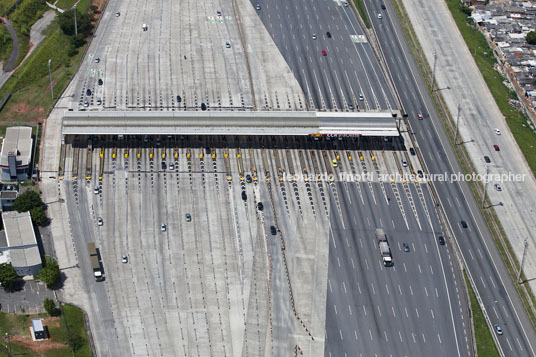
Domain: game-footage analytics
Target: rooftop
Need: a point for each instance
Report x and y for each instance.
(18, 140)
(20, 238)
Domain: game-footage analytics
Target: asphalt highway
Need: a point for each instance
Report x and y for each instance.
(349, 68)
(485, 268)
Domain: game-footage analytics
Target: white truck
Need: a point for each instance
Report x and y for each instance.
(383, 245)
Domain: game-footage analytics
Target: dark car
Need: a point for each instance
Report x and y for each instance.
(464, 224)
(496, 147)
(419, 172)
(179, 99)
(248, 179)
(88, 91)
(406, 247)
(273, 230)
(100, 82)
(244, 196)
(383, 6)
(163, 165)
(441, 240)
(487, 159)
(412, 151)
(260, 206)
(328, 34)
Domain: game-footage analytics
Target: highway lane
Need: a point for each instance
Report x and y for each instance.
(501, 302)
(386, 311)
(349, 68)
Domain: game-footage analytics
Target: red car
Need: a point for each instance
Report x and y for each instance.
(324, 53)
(496, 147)
(419, 116)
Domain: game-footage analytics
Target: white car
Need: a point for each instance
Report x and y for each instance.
(97, 59)
(124, 259)
(498, 187)
(99, 101)
(99, 221)
(86, 104)
(379, 16)
(258, 7)
(314, 36)
(163, 227)
(227, 44)
(117, 14)
(497, 131)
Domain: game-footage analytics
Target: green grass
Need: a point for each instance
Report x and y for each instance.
(6, 44)
(65, 4)
(485, 346)
(485, 60)
(5, 5)
(72, 321)
(360, 5)
(29, 86)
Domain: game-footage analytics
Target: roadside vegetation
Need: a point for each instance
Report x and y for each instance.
(6, 44)
(485, 346)
(29, 86)
(360, 5)
(24, 16)
(66, 328)
(518, 122)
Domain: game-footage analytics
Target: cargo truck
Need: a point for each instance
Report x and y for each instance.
(95, 263)
(383, 245)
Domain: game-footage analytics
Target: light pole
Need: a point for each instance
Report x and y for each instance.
(9, 342)
(485, 188)
(457, 120)
(433, 71)
(75, 27)
(50, 80)
(525, 246)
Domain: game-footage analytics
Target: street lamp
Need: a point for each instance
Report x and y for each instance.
(525, 246)
(485, 188)
(75, 27)
(50, 80)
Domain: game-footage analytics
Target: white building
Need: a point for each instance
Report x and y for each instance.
(18, 245)
(16, 153)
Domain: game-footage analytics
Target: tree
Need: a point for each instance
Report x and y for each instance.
(531, 38)
(27, 200)
(8, 276)
(50, 274)
(50, 306)
(66, 21)
(466, 9)
(38, 216)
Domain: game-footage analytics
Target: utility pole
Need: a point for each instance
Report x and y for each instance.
(485, 188)
(75, 27)
(525, 245)
(433, 71)
(457, 120)
(50, 80)
(9, 342)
